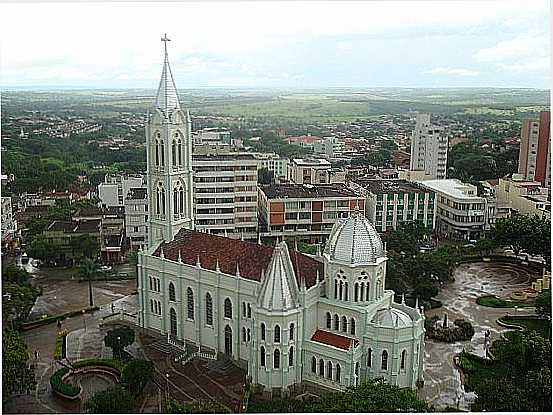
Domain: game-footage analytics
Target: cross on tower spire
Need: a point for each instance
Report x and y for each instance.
(165, 39)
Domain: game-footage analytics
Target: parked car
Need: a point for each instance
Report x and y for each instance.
(105, 268)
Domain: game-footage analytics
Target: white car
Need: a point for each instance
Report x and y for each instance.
(105, 268)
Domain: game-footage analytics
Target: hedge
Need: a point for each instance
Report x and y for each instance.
(113, 363)
(58, 385)
(59, 352)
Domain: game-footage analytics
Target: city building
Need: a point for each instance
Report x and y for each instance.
(113, 190)
(291, 320)
(392, 202)
(136, 217)
(304, 141)
(62, 234)
(534, 162)
(309, 171)
(429, 144)
(225, 194)
(307, 212)
(329, 147)
(525, 197)
(212, 136)
(274, 163)
(461, 213)
(9, 223)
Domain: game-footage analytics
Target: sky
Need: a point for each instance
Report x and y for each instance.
(263, 44)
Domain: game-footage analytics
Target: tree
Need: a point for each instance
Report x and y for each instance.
(86, 245)
(265, 176)
(17, 377)
(118, 339)
(114, 400)
(543, 303)
(13, 274)
(195, 407)
(531, 233)
(136, 374)
(485, 246)
(523, 351)
(425, 290)
(89, 270)
(41, 248)
(408, 237)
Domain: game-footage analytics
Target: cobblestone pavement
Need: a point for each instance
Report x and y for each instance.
(442, 380)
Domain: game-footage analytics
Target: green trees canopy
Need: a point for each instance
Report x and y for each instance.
(543, 303)
(17, 377)
(114, 400)
(136, 374)
(118, 339)
(85, 245)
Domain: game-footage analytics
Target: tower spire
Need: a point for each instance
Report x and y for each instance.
(166, 99)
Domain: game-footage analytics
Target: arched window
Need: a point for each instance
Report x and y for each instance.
(208, 309)
(174, 153)
(262, 331)
(181, 200)
(321, 367)
(291, 331)
(249, 335)
(356, 292)
(277, 334)
(329, 369)
(369, 357)
(151, 305)
(158, 202)
(338, 372)
(352, 326)
(228, 308)
(362, 292)
(341, 290)
(162, 151)
(244, 334)
(357, 369)
(157, 152)
(176, 201)
(179, 144)
(291, 357)
(313, 364)
(243, 309)
(172, 296)
(151, 284)
(190, 303)
(262, 356)
(249, 311)
(367, 294)
(276, 359)
(173, 321)
(336, 322)
(346, 290)
(335, 289)
(384, 360)
(378, 283)
(228, 340)
(328, 321)
(403, 356)
(344, 324)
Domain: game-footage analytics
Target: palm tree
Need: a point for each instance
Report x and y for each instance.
(89, 270)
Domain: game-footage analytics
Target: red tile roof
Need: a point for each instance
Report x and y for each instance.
(304, 138)
(332, 339)
(250, 257)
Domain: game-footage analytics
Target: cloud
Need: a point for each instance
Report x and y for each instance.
(526, 52)
(452, 71)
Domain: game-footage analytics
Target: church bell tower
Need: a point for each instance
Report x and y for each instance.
(169, 162)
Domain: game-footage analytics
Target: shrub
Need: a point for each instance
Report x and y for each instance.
(60, 386)
(114, 400)
(136, 374)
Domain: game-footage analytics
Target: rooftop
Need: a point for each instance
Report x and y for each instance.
(63, 226)
(381, 186)
(335, 340)
(312, 162)
(250, 258)
(137, 193)
(452, 187)
(222, 157)
(283, 191)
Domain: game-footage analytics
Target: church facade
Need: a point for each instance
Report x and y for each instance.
(289, 318)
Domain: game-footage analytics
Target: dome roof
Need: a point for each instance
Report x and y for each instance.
(354, 241)
(392, 317)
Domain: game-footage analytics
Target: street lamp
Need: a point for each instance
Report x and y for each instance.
(119, 345)
(167, 387)
(84, 320)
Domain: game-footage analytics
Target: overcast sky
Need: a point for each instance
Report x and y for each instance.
(269, 44)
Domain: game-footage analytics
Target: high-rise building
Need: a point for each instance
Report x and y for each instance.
(136, 217)
(169, 162)
(534, 161)
(429, 148)
(116, 187)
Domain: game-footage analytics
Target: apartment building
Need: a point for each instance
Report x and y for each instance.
(329, 147)
(115, 187)
(305, 211)
(225, 194)
(461, 213)
(534, 162)
(525, 197)
(273, 162)
(429, 144)
(392, 202)
(136, 217)
(309, 171)
(212, 136)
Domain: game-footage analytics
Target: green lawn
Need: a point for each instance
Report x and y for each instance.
(496, 302)
(542, 326)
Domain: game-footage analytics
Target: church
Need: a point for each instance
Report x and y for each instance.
(290, 319)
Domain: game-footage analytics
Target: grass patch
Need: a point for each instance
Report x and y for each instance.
(540, 325)
(496, 302)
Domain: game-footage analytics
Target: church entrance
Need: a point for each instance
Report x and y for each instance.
(228, 340)
(173, 319)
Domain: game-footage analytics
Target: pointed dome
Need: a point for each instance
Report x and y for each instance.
(167, 99)
(354, 241)
(279, 288)
(392, 317)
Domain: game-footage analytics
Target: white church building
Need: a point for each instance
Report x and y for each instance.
(290, 319)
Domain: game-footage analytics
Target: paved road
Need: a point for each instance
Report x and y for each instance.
(442, 380)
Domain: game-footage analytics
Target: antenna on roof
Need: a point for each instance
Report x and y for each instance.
(198, 263)
(237, 269)
(179, 258)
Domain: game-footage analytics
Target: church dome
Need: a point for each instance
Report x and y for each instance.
(392, 317)
(354, 241)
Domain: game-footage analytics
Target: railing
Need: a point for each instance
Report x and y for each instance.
(121, 316)
(186, 357)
